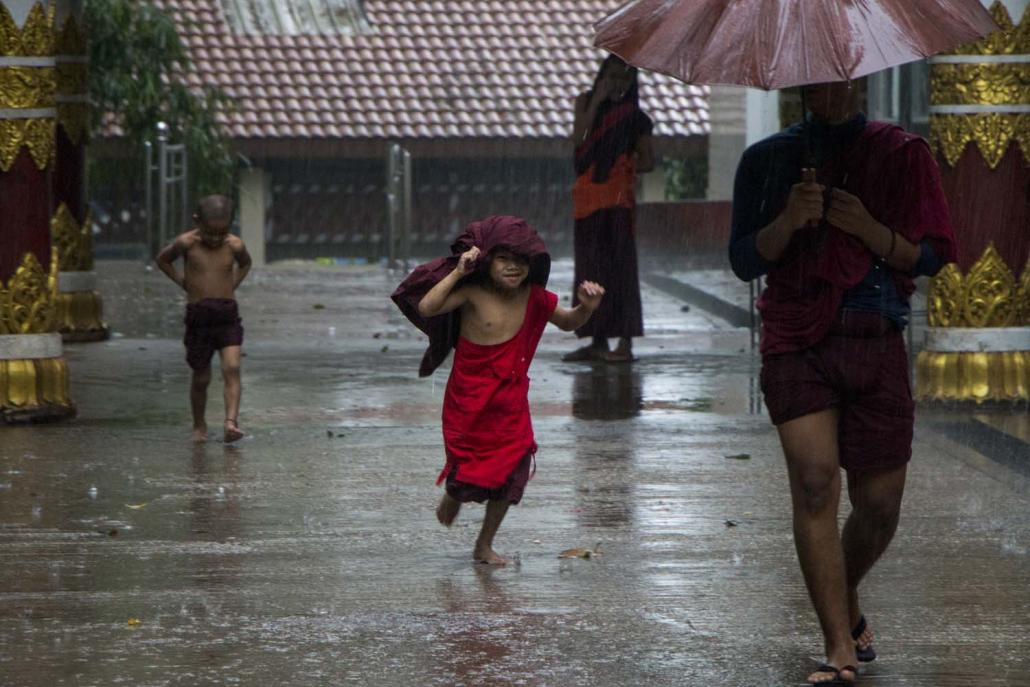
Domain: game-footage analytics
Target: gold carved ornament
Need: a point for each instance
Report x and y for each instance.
(34, 39)
(944, 297)
(35, 134)
(80, 316)
(72, 78)
(73, 118)
(35, 389)
(27, 302)
(1023, 298)
(1008, 40)
(980, 84)
(973, 376)
(73, 242)
(27, 87)
(991, 132)
(984, 84)
(988, 296)
(71, 39)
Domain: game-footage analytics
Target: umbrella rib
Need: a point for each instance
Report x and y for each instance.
(765, 65)
(711, 34)
(828, 33)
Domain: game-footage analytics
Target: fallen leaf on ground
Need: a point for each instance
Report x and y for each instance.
(739, 456)
(134, 622)
(135, 506)
(318, 306)
(731, 523)
(581, 553)
(576, 553)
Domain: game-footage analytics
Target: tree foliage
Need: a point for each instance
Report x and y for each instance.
(137, 62)
(686, 179)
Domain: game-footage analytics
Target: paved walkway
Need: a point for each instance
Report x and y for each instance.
(309, 555)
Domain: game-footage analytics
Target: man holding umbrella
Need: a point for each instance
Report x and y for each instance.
(840, 243)
(840, 251)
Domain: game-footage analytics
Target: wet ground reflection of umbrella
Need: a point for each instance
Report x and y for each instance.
(774, 44)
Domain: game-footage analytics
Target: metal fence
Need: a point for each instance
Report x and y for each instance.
(166, 176)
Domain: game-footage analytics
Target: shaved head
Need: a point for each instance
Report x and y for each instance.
(215, 209)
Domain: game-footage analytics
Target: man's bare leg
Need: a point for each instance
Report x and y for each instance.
(448, 509)
(230, 357)
(810, 447)
(198, 402)
(484, 552)
(875, 508)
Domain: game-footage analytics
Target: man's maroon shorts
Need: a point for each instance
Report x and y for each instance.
(211, 325)
(510, 492)
(860, 368)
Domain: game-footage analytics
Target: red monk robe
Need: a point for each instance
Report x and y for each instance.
(486, 424)
(487, 429)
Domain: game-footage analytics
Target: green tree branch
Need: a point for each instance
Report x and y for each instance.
(137, 68)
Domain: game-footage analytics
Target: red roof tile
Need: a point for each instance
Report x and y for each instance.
(442, 68)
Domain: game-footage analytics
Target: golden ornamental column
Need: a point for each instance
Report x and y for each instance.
(79, 306)
(978, 344)
(33, 373)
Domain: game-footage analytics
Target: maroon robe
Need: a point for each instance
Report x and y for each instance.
(604, 205)
(895, 176)
(489, 235)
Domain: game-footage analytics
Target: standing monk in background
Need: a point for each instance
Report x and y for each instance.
(840, 252)
(215, 262)
(613, 143)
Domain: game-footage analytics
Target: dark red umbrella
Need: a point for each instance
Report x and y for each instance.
(781, 43)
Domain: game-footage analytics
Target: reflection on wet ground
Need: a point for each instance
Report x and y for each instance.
(308, 554)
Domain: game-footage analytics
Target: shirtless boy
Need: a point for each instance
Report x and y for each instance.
(487, 429)
(215, 263)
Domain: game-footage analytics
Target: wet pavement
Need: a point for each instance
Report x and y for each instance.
(309, 554)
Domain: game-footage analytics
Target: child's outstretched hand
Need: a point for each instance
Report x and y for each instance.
(467, 261)
(589, 294)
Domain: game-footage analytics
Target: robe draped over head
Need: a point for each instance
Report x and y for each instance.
(498, 232)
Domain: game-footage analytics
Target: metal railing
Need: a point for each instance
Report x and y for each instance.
(398, 206)
(167, 178)
(754, 290)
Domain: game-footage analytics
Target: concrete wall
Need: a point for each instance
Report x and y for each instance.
(255, 197)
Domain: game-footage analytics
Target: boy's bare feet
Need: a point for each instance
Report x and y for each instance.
(199, 435)
(486, 555)
(447, 511)
(232, 431)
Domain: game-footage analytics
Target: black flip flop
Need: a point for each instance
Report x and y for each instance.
(837, 680)
(868, 654)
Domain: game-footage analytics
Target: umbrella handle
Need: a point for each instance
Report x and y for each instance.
(808, 176)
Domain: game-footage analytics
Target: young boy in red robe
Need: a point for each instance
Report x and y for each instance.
(502, 307)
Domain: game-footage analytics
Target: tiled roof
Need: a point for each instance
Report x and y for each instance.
(430, 69)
